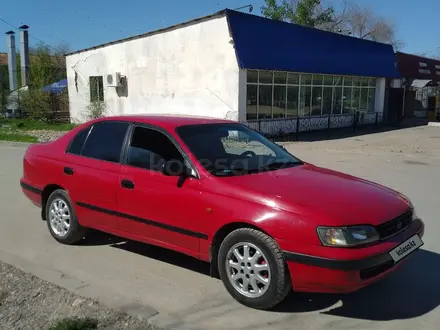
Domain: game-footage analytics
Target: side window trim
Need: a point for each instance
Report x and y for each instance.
(69, 146)
(124, 144)
(87, 137)
(167, 135)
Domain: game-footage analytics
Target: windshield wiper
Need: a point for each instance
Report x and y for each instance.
(242, 170)
(278, 165)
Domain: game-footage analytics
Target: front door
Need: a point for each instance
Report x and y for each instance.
(154, 205)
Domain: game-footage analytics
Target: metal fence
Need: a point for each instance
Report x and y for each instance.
(292, 127)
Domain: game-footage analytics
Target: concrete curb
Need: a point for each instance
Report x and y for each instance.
(434, 124)
(104, 297)
(15, 144)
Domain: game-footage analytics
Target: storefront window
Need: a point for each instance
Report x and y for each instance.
(290, 94)
(279, 101)
(306, 79)
(317, 79)
(265, 101)
(371, 99)
(337, 100)
(356, 99)
(280, 78)
(356, 81)
(304, 101)
(328, 80)
(266, 77)
(252, 76)
(292, 101)
(365, 82)
(293, 78)
(347, 100)
(364, 99)
(251, 106)
(338, 80)
(316, 101)
(326, 100)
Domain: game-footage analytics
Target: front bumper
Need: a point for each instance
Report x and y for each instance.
(311, 273)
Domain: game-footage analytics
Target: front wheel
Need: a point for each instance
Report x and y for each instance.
(253, 269)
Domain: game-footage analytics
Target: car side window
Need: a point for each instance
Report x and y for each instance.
(78, 141)
(150, 149)
(105, 141)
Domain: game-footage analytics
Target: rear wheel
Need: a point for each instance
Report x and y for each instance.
(61, 219)
(253, 269)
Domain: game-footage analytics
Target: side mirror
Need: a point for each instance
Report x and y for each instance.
(175, 168)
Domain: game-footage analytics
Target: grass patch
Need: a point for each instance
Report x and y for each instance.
(16, 137)
(30, 125)
(75, 324)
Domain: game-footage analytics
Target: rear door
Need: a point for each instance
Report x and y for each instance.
(93, 168)
(154, 205)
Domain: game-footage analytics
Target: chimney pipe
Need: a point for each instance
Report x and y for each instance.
(12, 61)
(24, 55)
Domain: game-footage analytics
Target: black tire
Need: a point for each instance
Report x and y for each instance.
(280, 285)
(76, 232)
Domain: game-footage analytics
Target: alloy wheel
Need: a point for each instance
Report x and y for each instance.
(248, 269)
(59, 217)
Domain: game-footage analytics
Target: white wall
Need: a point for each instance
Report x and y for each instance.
(189, 70)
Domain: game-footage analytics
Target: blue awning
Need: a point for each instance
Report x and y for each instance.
(56, 87)
(265, 44)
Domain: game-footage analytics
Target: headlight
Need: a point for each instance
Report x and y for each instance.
(347, 236)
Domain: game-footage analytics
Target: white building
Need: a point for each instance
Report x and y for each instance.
(236, 66)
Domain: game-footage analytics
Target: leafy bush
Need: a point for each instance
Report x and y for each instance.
(36, 104)
(95, 110)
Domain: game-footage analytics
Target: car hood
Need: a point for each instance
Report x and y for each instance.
(335, 198)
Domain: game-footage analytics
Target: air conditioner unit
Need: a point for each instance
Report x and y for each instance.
(114, 79)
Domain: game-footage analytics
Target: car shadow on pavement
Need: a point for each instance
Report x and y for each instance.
(96, 238)
(412, 291)
(164, 255)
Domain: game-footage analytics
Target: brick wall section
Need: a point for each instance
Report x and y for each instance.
(3, 59)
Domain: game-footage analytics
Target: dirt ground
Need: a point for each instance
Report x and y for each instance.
(26, 302)
(421, 142)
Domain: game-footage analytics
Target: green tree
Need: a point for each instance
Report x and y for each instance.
(47, 65)
(309, 13)
(350, 18)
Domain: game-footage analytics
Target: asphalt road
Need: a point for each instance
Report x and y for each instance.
(176, 292)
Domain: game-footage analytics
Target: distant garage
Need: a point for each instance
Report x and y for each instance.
(276, 76)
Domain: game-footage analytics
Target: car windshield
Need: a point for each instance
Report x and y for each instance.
(229, 149)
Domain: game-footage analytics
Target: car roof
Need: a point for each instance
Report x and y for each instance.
(170, 121)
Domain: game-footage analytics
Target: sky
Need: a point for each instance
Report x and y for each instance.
(92, 22)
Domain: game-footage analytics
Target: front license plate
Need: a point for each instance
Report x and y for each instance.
(406, 248)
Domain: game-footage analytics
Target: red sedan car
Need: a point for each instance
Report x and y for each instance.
(219, 191)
